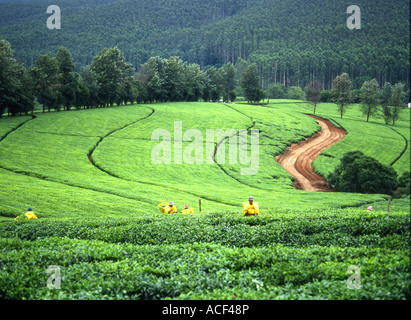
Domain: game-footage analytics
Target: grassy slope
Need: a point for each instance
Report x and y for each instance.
(374, 138)
(59, 144)
(220, 255)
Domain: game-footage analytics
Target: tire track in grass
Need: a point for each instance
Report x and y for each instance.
(67, 134)
(90, 157)
(220, 142)
(221, 167)
(225, 138)
(45, 178)
(48, 179)
(18, 126)
(90, 154)
(215, 152)
(405, 149)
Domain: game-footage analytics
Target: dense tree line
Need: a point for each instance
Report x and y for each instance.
(15, 83)
(109, 79)
(52, 82)
(291, 42)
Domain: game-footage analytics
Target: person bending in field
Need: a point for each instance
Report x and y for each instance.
(250, 208)
(27, 216)
(187, 210)
(167, 207)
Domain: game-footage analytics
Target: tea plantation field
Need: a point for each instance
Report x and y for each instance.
(89, 176)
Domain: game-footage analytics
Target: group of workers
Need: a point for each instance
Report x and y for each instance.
(250, 208)
(168, 207)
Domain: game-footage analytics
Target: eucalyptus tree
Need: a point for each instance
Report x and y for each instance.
(341, 92)
(111, 71)
(68, 82)
(313, 93)
(226, 79)
(370, 98)
(45, 74)
(250, 82)
(15, 83)
(396, 102)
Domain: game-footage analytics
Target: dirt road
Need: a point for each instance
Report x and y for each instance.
(298, 158)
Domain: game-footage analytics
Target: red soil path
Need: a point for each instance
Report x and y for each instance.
(298, 158)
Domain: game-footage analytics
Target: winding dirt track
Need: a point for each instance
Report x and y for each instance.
(298, 158)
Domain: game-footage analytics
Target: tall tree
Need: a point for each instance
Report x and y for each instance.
(15, 83)
(82, 96)
(211, 86)
(250, 82)
(226, 78)
(66, 78)
(111, 70)
(45, 74)
(240, 66)
(152, 77)
(370, 98)
(155, 88)
(129, 91)
(174, 78)
(195, 82)
(141, 91)
(89, 79)
(341, 92)
(396, 102)
(386, 92)
(313, 93)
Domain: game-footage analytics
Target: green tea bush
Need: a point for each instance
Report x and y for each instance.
(339, 229)
(101, 225)
(99, 270)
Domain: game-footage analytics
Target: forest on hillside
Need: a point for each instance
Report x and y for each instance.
(292, 42)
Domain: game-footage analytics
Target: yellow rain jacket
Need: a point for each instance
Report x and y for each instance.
(188, 211)
(250, 209)
(165, 208)
(27, 216)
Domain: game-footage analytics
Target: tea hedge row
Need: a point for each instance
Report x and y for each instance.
(353, 229)
(99, 270)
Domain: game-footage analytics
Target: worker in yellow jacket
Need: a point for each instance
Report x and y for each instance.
(187, 210)
(250, 208)
(167, 207)
(27, 216)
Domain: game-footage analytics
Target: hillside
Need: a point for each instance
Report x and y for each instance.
(94, 153)
(109, 151)
(90, 178)
(291, 41)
